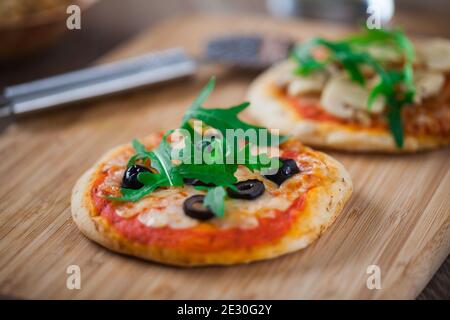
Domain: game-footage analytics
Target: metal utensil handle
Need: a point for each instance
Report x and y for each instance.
(100, 80)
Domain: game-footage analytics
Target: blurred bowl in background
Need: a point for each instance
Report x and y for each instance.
(28, 26)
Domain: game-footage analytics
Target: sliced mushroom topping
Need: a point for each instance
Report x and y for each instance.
(436, 54)
(313, 82)
(342, 97)
(428, 84)
(385, 53)
(285, 74)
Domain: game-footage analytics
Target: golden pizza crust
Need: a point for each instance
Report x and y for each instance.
(271, 112)
(323, 204)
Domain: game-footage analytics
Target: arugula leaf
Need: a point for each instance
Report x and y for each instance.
(393, 38)
(199, 100)
(306, 62)
(161, 161)
(396, 125)
(351, 54)
(218, 174)
(340, 52)
(220, 119)
(223, 119)
(141, 153)
(215, 200)
(221, 174)
(151, 182)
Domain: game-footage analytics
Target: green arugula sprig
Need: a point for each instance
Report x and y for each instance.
(397, 86)
(168, 173)
(215, 200)
(221, 119)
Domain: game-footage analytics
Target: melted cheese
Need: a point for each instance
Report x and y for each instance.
(172, 216)
(164, 207)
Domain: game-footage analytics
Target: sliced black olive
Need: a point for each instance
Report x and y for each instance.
(190, 181)
(249, 189)
(130, 180)
(206, 144)
(194, 208)
(288, 169)
(197, 182)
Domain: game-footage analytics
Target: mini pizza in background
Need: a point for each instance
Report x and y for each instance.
(373, 91)
(141, 200)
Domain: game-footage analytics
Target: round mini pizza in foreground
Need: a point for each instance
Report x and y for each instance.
(284, 219)
(328, 109)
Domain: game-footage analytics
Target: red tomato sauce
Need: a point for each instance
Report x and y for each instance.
(203, 238)
(308, 108)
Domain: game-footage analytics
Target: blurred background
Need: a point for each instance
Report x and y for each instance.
(35, 43)
(107, 23)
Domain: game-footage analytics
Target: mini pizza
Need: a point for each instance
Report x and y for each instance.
(141, 200)
(374, 91)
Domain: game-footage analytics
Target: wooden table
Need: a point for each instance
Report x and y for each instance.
(401, 222)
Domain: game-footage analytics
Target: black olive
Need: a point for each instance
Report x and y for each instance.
(194, 208)
(197, 182)
(190, 181)
(249, 189)
(205, 144)
(288, 169)
(130, 180)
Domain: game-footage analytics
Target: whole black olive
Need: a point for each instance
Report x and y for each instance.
(288, 169)
(197, 182)
(249, 189)
(130, 180)
(194, 208)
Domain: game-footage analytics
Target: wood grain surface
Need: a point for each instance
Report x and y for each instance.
(398, 217)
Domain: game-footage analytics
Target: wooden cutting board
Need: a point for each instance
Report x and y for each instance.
(397, 219)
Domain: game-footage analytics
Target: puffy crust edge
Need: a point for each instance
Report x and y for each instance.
(323, 205)
(273, 113)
